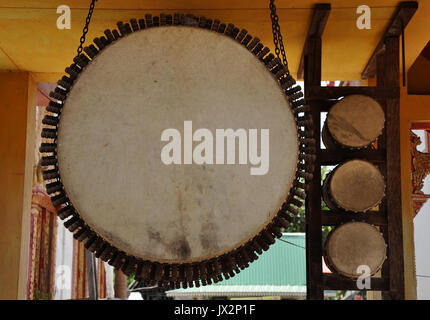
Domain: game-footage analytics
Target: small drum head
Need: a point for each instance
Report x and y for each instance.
(356, 121)
(352, 245)
(356, 185)
(109, 144)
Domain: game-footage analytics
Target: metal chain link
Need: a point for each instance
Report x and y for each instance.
(277, 36)
(85, 30)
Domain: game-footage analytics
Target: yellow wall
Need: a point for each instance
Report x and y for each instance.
(17, 98)
(413, 108)
(418, 76)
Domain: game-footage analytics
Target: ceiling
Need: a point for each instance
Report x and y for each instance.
(30, 40)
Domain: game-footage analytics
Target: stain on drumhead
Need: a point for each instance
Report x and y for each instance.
(181, 248)
(356, 121)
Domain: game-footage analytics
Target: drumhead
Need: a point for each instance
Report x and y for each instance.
(355, 121)
(352, 245)
(109, 144)
(356, 185)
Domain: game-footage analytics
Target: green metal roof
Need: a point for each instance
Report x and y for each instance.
(280, 271)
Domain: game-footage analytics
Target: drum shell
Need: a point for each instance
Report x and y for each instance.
(332, 266)
(328, 198)
(329, 141)
(326, 194)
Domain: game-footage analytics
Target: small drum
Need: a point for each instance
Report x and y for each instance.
(353, 247)
(354, 122)
(356, 185)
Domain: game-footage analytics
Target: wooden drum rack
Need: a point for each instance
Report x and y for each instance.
(385, 64)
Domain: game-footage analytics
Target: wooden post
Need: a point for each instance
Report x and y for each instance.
(320, 14)
(380, 83)
(394, 192)
(312, 77)
(403, 14)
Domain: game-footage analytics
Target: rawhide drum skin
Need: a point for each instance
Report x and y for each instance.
(176, 148)
(109, 144)
(354, 248)
(355, 185)
(355, 122)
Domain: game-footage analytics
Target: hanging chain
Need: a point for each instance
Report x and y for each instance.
(85, 30)
(277, 36)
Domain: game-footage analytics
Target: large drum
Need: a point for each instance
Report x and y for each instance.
(355, 185)
(354, 248)
(178, 149)
(354, 122)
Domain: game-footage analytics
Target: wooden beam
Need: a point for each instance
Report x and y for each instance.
(329, 157)
(380, 82)
(394, 190)
(404, 12)
(332, 218)
(316, 29)
(314, 252)
(420, 126)
(317, 92)
(334, 282)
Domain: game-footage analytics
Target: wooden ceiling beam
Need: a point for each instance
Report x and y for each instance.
(320, 14)
(403, 14)
(420, 126)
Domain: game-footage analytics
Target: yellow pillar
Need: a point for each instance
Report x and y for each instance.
(17, 127)
(413, 108)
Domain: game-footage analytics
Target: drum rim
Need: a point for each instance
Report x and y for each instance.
(331, 204)
(346, 146)
(327, 191)
(127, 261)
(332, 266)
